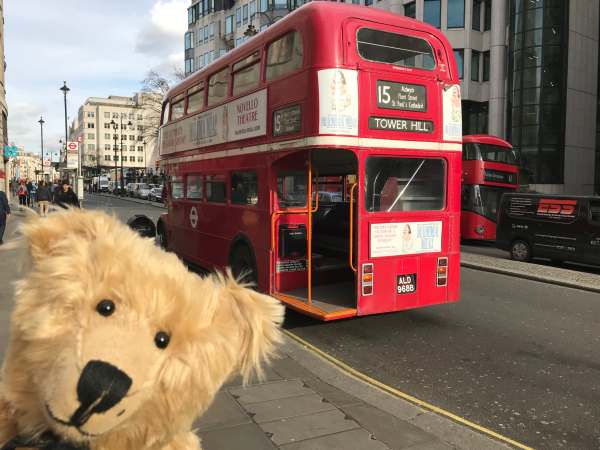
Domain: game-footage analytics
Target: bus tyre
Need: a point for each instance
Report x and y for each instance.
(520, 251)
(161, 237)
(242, 265)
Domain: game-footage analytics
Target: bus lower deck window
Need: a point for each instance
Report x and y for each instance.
(396, 49)
(404, 184)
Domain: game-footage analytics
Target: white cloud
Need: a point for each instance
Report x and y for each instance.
(100, 48)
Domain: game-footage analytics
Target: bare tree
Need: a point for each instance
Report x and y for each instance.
(154, 88)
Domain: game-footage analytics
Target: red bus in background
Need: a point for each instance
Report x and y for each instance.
(322, 159)
(490, 168)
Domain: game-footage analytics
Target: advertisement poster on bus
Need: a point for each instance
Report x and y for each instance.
(247, 116)
(338, 102)
(452, 114)
(405, 238)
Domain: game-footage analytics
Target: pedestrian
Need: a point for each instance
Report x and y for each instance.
(29, 186)
(43, 196)
(33, 194)
(66, 197)
(22, 194)
(56, 190)
(4, 213)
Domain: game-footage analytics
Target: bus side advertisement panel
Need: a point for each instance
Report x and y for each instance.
(452, 113)
(338, 102)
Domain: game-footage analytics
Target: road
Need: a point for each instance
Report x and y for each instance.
(516, 356)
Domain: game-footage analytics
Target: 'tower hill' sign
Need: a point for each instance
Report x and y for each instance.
(243, 118)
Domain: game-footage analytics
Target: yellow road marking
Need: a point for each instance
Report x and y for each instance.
(390, 390)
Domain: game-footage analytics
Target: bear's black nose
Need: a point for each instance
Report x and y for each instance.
(101, 386)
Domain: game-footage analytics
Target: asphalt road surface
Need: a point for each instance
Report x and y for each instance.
(516, 356)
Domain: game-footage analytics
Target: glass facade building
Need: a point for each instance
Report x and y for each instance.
(538, 57)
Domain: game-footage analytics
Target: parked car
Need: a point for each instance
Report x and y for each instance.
(130, 189)
(561, 228)
(142, 191)
(155, 194)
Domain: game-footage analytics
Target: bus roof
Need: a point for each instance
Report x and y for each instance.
(331, 14)
(486, 139)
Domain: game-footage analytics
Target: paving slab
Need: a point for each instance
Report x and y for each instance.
(224, 412)
(332, 394)
(269, 374)
(288, 369)
(396, 433)
(300, 428)
(270, 391)
(242, 437)
(288, 407)
(348, 440)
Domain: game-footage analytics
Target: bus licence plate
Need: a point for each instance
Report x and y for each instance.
(407, 284)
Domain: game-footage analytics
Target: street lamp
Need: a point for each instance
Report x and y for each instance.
(65, 90)
(128, 124)
(114, 126)
(41, 122)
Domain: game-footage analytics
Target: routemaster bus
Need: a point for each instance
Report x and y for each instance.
(490, 168)
(321, 160)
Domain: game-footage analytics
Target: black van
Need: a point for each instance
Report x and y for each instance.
(561, 228)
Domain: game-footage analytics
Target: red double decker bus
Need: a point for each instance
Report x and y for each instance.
(490, 168)
(322, 160)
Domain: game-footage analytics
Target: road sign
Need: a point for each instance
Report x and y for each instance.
(10, 151)
(72, 147)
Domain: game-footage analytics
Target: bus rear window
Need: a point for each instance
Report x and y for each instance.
(404, 184)
(396, 49)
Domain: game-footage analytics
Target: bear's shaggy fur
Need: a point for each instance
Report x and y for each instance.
(95, 294)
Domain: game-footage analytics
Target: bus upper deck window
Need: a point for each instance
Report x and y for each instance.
(396, 49)
(166, 108)
(218, 87)
(284, 55)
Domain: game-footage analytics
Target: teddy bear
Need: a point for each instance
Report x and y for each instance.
(115, 345)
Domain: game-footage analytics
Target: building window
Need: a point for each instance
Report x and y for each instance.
(238, 42)
(216, 189)
(245, 14)
(140, 159)
(90, 125)
(205, 32)
(106, 116)
(140, 117)
(193, 13)
(91, 147)
(487, 20)
(284, 56)
(91, 114)
(123, 137)
(189, 40)
(368, 2)
(431, 12)
(107, 125)
(132, 148)
(537, 54)
(410, 10)
(229, 24)
(189, 65)
(252, 9)
(264, 5)
(486, 66)
(459, 56)
(115, 116)
(106, 157)
(131, 137)
(238, 16)
(140, 148)
(475, 65)
(456, 13)
(476, 19)
(211, 30)
(244, 188)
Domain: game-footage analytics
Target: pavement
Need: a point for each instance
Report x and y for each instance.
(304, 403)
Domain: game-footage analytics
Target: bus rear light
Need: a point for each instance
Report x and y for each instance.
(442, 271)
(367, 279)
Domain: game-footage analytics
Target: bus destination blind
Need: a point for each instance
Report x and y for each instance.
(401, 96)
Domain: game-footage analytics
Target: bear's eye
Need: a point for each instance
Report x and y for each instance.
(161, 339)
(105, 307)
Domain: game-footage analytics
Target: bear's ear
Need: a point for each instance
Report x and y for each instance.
(259, 318)
(52, 235)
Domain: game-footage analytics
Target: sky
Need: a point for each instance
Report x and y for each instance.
(100, 48)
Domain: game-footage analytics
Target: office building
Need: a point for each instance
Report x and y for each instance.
(3, 107)
(529, 72)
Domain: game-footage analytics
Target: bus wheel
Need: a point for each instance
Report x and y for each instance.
(520, 251)
(161, 236)
(242, 265)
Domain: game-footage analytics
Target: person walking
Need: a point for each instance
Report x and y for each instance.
(22, 194)
(43, 197)
(29, 186)
(66, 197)
(4, 213)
